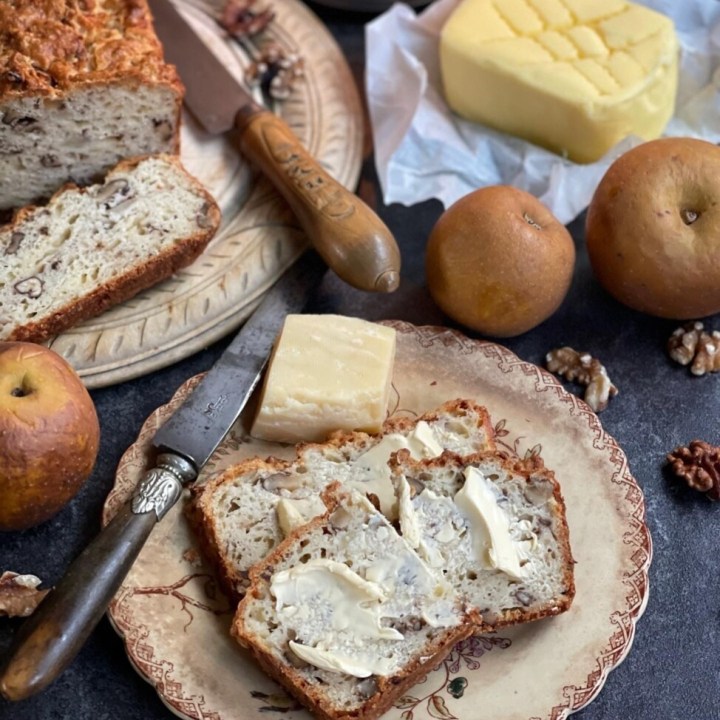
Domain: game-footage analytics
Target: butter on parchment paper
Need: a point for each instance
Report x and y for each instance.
(575, 76)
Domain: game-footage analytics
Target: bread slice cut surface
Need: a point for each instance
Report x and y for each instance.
(243, 513)
(91, 248)
(494, 528)
(345, 614)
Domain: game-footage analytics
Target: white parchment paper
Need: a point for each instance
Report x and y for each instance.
(424, 151)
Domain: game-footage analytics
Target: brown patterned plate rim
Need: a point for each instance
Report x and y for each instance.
(635, 576)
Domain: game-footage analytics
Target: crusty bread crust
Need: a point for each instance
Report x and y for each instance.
(199, 512)
(83, 85)
(48, 48)
(390, 688)
(202, 514)
(135, 279)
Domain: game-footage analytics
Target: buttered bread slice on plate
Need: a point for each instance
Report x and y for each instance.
(494, 528)
(345, 615)
(245, 511)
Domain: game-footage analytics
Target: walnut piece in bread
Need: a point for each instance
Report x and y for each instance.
(83, 85)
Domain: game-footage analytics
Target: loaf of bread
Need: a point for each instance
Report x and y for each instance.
(243, 513)
(345, 615)
(491, 526)
(82, 86)
(90, 248)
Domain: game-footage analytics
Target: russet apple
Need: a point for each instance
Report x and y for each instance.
(653, 228)
(498, 261)
(49, 434)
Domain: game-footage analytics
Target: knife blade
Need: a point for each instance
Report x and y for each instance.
(50, 639)
(349, 236)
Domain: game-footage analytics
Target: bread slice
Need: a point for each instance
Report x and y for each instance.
(243, 513)
(82, 86)
(493, 527)
(91, 248)
(345, 615)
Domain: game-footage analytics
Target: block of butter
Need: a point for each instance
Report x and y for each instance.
(574, 76)
(327, 372)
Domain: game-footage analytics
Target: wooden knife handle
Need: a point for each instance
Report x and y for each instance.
(53, 635)
(348, 235)
(49, 640)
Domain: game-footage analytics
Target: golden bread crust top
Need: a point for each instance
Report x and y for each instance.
(49, 46)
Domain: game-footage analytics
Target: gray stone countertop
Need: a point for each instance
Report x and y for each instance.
(673, 669)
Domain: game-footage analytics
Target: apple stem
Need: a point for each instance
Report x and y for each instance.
(689, 216)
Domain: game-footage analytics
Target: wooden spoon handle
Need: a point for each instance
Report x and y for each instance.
(348, 235)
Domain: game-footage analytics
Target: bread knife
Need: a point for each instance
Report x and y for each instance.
(349, 236)
(49, 640)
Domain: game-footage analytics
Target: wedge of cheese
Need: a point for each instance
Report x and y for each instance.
(327, 372)
(574, 76)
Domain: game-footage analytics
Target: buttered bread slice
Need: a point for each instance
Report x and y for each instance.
(494, 528)
(244, 512)
(575, 76)
(345, 615)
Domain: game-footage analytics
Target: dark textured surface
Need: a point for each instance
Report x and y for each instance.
(673, 669)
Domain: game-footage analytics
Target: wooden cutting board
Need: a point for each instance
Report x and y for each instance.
(259, 237)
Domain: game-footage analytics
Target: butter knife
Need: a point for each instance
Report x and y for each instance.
(49, 640)
(349, 236)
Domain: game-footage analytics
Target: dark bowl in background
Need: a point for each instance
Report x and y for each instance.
(369, 6)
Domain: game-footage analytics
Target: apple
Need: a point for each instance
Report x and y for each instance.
(653, 228)
(498, 261)
(49, 434)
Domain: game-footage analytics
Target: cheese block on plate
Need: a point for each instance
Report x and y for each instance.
(327, 372)
(575, 76)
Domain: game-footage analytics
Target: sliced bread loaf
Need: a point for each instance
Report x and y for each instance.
(244, 512)
(345, 615)
(91, 248)
(83, 85)
(494, 528)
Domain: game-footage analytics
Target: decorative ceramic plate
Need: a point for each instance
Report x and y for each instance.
(175, 622)
(259, 237)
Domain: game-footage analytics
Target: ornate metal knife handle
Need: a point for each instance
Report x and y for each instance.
(161, 486)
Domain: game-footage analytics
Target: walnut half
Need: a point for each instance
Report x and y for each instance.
(19, 595)
(699, 465)
(691, 344)
(586, 370)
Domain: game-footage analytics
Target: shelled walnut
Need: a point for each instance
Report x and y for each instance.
(586, 370)
(19, 595)
(691, 344)
(699, 465)
(241, 19)
(275, 70)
